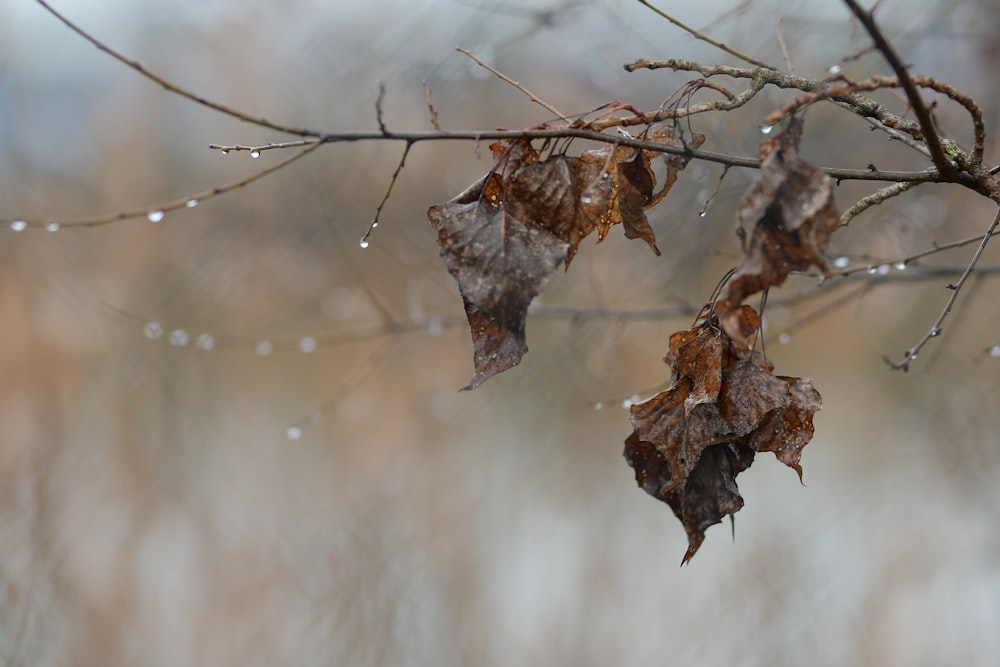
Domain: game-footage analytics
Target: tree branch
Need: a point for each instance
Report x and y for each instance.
(938, 157)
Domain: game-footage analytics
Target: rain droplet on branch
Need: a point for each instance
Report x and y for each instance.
(18, 225)
(155, 216)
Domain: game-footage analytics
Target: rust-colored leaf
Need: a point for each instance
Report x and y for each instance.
(550, 195)
(784, 221)
(723, 406)
(500, 264)
(503, 237)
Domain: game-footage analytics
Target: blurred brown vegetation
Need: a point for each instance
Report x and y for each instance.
(153, 510)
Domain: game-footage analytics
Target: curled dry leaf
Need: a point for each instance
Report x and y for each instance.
(506, 235)
(724, 405)
(784, 222)
(501, 264)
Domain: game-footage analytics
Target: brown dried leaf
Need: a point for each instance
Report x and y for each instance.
(500, 264)
(786, 430)
(789, 214)
(627, 188)
(690, 441)
(697, 354)
(550, 195)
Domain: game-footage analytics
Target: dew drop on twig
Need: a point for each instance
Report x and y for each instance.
(598, 406)
(263, 347)
(18, 225)
(842, 262)
(834, 69)
(363, 243)
(205, 342)
(784, 338)
(255, 153)
(307, 344)
(153, 330)
(766, 129)
(155, 216)
(178, 338)
(995, 351)
(191, 203)
(899, 266)
(52, 226)
(935, 332)
(293, 432)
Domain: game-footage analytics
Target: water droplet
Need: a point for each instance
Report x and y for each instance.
(586, 199)
(899, 266)
(434, 327)
(293, 433)
(884, 269)
(52, 226)
(263, 347)
(598, 406)
(178, 338)
(155, 216)
(363, 243)
(873, 270)
(255, 153)
(153, 330)
(766, 129)
(205, 342)
(308, 344)
(842, 262)
(702, 214)
(910, 354)
(375, 224)
(834, 69)
(933, 333)
(995, 351)
(784, 338)
(18, 225)
(191, 203)
(225, 151)
(605, 175)
(630, 401)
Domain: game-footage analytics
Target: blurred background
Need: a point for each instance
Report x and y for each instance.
(234, 437)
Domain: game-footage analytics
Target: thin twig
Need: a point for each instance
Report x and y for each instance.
(909, 259)
(874, 199)
(503, 77)
(378, 108)
(920, 110)
(705, 38)
(784, 48)
(174, 88)
(385, 197)
(430, 106)
(260, 149)
(156, 212)
(955, 288)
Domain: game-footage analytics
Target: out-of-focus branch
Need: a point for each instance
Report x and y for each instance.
(705, 38)
(156, 212)
(955, 288)
(174, 88)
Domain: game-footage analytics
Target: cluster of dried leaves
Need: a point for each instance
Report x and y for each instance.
(724, 405)
(506, 235)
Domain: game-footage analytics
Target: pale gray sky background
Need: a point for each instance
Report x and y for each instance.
(153, 509)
